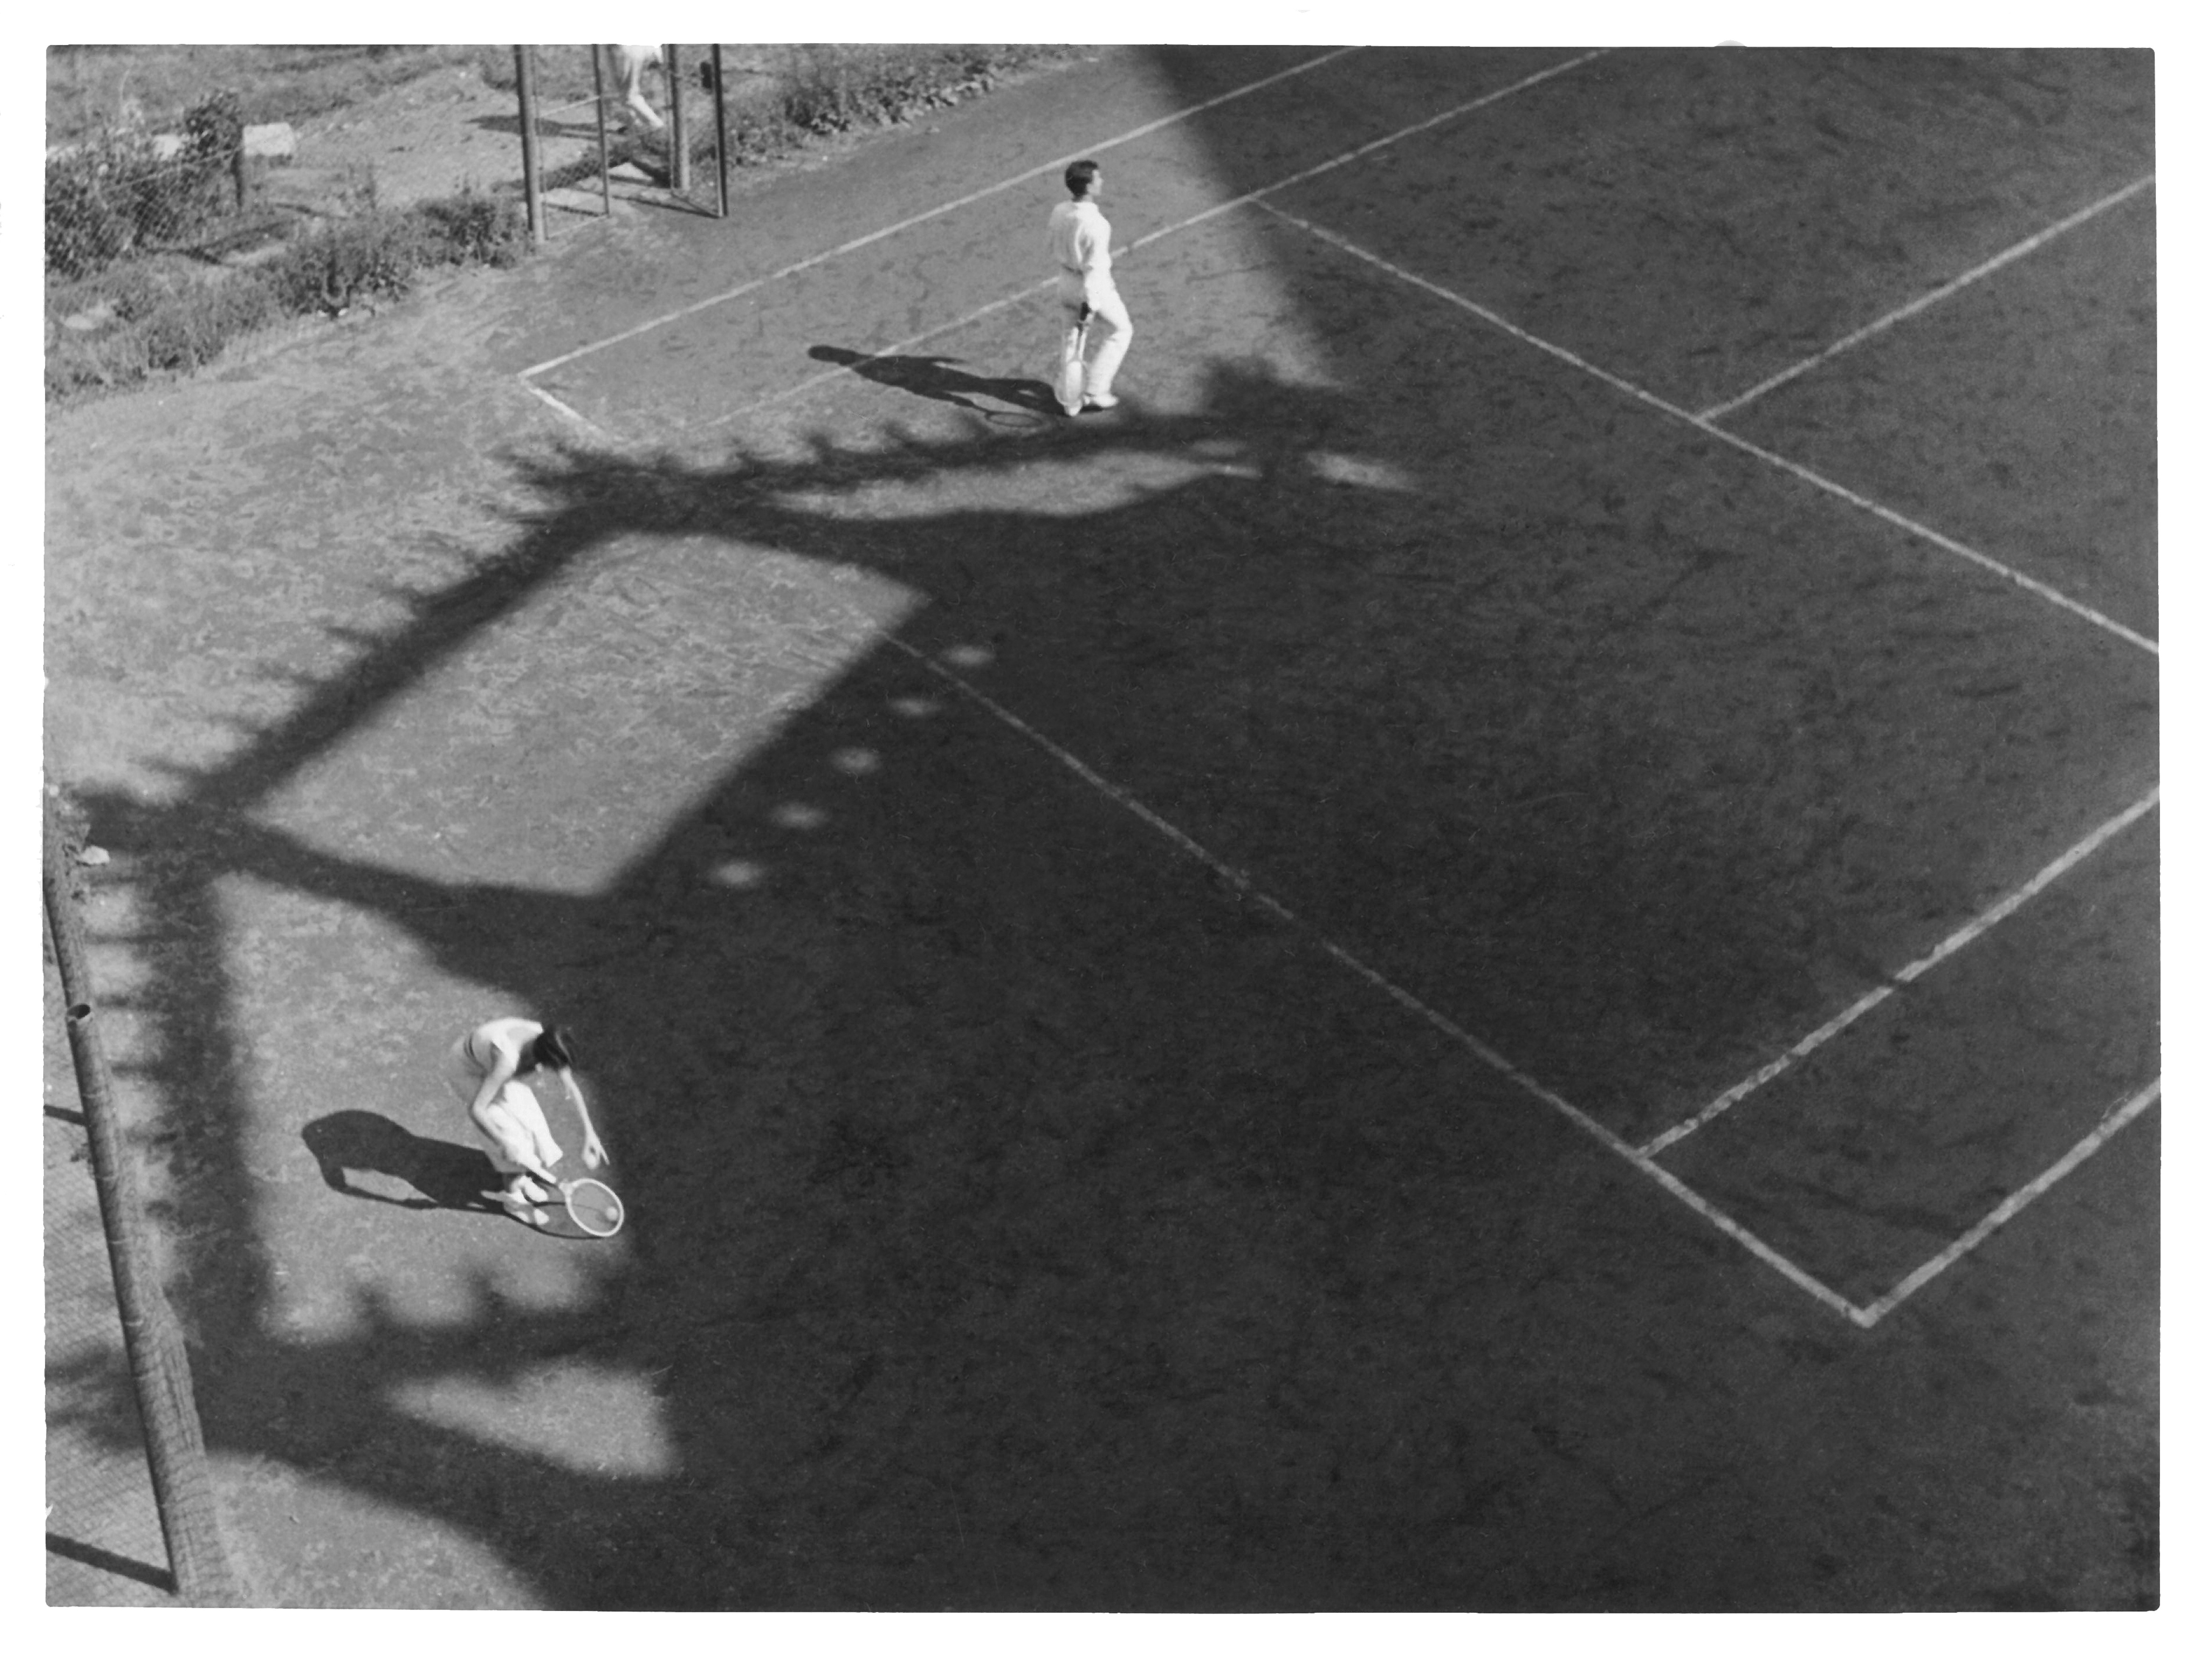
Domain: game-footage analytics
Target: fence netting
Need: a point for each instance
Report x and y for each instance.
(626, 122)
(126, 192)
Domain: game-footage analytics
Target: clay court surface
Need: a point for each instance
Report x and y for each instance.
(1186, 1003)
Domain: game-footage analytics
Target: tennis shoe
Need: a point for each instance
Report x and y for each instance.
(1099, 401)
(518, 1209)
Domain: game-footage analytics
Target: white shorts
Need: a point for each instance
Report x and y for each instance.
(518, 1133)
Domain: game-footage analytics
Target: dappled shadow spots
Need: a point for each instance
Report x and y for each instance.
(1004, 1226)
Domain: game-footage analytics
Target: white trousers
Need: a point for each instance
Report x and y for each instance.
(1105, 334)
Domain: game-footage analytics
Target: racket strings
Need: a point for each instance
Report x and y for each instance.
(596, 1210)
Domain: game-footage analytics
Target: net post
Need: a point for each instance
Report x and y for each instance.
(161, 1372)
(526, 92)
(679, 174)
(721, 139)
(599, 115)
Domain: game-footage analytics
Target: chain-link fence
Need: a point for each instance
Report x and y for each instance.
(125, 192)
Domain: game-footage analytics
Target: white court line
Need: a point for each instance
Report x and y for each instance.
(1819, 481)
(573, 414)
(1020, 294)
(930, 214)
(1243, 884)
(1867, 1316)
(1912, 972)
(2027, 247)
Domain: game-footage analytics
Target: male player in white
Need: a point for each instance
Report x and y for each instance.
(484, 1065)
(1091, 313)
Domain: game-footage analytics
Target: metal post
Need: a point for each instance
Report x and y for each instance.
(525, 92)
(721, 139)
(600, 114)
(160, 1373)
(679, 167)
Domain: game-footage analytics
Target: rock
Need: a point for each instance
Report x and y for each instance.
(92, 855)
(272, 139)
(84, 323)
(167, 146)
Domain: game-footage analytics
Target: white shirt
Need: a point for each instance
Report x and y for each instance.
(502, 1035)
(1080, 243)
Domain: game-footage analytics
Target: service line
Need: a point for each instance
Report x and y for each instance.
(1819, 481)
(1244, 885)
(2028, 245)
(811, 260)
(2117, 1117)
(1199, 218)
(1911, 973)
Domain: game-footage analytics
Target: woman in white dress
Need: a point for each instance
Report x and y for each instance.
(485, 1065)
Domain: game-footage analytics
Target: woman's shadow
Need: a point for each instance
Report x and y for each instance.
(935, 378)
(448, 1175)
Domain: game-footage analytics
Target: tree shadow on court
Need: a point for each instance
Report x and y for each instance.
(1025, 1215)
(1022, 1217)
(1003, 1187)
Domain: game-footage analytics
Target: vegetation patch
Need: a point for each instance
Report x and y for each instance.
(92, 88)
(136, 230)
(142, 318)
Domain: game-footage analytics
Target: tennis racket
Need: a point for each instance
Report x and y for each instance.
(595, 1208)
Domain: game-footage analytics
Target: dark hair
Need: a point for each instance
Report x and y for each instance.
(1079, 175)
(555, 1046)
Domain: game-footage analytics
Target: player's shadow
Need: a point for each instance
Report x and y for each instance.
(444, 1176)
(935, 377)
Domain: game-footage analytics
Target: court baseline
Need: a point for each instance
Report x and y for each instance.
(1912, 972)
(2115, 1119)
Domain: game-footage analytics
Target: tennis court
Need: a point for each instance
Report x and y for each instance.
(1848, 667)
(1506, 925)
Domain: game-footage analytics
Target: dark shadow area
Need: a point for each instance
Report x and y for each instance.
(1023, 1218)
(356, 1141)
(115, 1563)
(937, 377)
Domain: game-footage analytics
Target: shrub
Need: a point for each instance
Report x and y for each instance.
(476, 228)
(195, 326)
(330, 267)
(173, 316)
(89, 218)
(114, 194)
